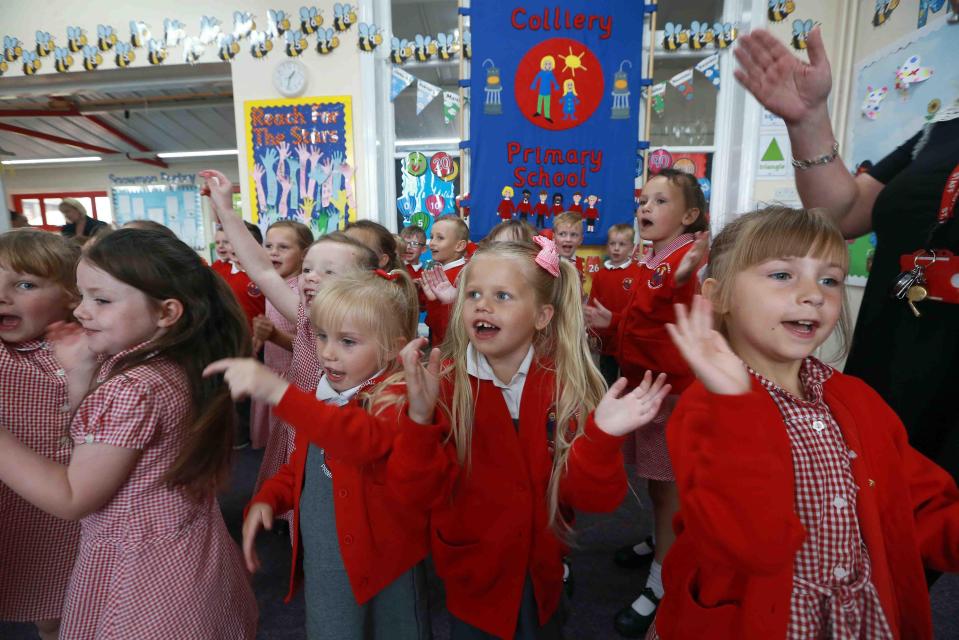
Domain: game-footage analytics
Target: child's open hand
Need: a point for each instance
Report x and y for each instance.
(262, 328)
(437, 286)
(618, 414)
(247, 377)
(260, 516)
(706, 350)
(422, 383)
(219, 188)
(693, 259)
(71, 346)
(598, 316)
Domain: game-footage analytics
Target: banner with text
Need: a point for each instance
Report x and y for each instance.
(553, 115)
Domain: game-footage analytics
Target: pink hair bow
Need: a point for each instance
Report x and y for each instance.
(547, 256)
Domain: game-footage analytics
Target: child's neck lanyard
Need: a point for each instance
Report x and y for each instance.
(947, 205)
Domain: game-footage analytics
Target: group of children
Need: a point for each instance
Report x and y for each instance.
(787, 502)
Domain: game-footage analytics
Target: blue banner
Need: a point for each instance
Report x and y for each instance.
(554, 111)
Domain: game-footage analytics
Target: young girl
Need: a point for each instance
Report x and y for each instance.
(360, 549)
(286, 242)
(332, 254)
(532, 437)
(804, 512)
(672, 216)
(379, 239)
(152, 443)
(37, 288)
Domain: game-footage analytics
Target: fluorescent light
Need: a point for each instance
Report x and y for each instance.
(428, 142)
(197, 154)
(53, 160)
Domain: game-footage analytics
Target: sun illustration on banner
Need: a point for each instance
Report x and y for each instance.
(557, 91)
(573, 62)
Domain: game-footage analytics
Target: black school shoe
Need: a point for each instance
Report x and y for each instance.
(627, 558)
(631, 624)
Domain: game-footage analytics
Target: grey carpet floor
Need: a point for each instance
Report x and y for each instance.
(601, 587)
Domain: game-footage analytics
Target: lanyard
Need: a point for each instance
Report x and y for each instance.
(950, 194)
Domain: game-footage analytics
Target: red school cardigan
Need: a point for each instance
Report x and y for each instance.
(380, 538)
(437, 313)
(489, 522)
(729, 574)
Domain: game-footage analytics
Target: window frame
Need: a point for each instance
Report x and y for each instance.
(18, 199)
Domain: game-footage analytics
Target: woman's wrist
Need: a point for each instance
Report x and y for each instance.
(812, 136)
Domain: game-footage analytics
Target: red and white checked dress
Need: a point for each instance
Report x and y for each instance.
(278, 359)
(833, 595)
(37, 550)
(154, 564)
(304, 372)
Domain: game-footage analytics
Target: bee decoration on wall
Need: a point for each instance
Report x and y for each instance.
(444, 45)
(106, 37)
(260, 44)
(295, 43)
(227, 47)
(674, 36)
(12, 48)
(725, 34)
(139, 33)
(209, 30)
(62, 59)
(45, 44)
(277, 23)
(344, 16)
(31, 63)
(174, 32)
(700, 35)
(467, 46)
(311, 19)
(91, 58)
(243, 24)
(156, 51)
(400, 50)
(884, 9)
(76, 39)
(124, 54)
(800, 32)
(370, 37)
(779, 10)
(326, 41)
(3, 66)
(193, 50)
(425, 47)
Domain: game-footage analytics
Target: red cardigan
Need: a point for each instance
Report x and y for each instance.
(729, 573)
(437, 313)
(489, 523)
(613, 288)
(379, 538)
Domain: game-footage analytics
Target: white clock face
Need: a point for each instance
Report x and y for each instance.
(290, 78)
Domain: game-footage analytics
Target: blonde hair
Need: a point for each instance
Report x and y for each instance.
(545, 59)
(773, 233)
(72, 203)
(623, 228)
(569, 87)
(513, 230)
(507, 191)
(386, 309)
(42, 254)
(568, 218)
(461, 229)
(561, 346)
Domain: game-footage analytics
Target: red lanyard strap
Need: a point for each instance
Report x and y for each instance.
(947, 207)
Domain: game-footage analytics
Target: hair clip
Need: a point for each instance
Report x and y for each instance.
(386, 276)
(547, 256)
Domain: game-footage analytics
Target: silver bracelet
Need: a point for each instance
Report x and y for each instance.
(815, 162)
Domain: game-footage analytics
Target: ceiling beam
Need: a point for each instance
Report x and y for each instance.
(133, 142)
(76, 143)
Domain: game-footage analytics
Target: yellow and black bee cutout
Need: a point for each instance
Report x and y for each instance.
(62, 60)
(227, 47)
(209, 30)
(725, 34)
(371, 37)
(3, 66)
(445, 46)
(311, 19)
(76, 39)
(779, 10)
(326, 41)
(243, 24)
(344, 16)
(45, 44)
(466, 49)
(700, 35)
(295, 43)
(424, 47)
(277, 23)
(124, 54)
(400, 50)
(12, 48)
(156, 51)
(91, 58)
(884, 9)
(260, 44)
(674, 36)
(31, 63)
(193, 50)
(139, 33)
(801, 31)
(174, 32)
(106, 37)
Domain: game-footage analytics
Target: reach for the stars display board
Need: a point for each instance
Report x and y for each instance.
(554, 111)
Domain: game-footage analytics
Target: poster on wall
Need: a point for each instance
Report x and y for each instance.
(176, 206)
(427, 187)
(554, 110)
(301, 161)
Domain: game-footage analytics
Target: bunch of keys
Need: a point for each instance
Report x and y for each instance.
(909, 287)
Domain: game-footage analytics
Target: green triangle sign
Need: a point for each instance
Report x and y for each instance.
(773, 153)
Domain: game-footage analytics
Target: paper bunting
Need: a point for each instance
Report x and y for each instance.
(709, 67)
(451, 106)
(683, 81)
(400, 80)
(658, 92)
(425, 93)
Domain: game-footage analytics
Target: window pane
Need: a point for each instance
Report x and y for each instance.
(53, 215)
(429, 123)
(683, 123)
(31, 209)
(685, 12)
(104, 209)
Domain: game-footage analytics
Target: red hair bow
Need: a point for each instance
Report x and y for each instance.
(387, 276)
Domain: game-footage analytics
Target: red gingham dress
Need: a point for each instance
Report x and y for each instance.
(304, 372)
(154, 564)
(278, 359)
(34, 569)
(833, 595)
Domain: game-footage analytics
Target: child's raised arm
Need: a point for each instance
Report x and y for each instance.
(252, 256)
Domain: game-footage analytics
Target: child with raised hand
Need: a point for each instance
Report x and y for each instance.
(152, 442)
(333, 254)
(286, 243)
(37, 550)
(358, 547)
(804, 512)
(448, 244)
(672, 217)
(532, 438)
